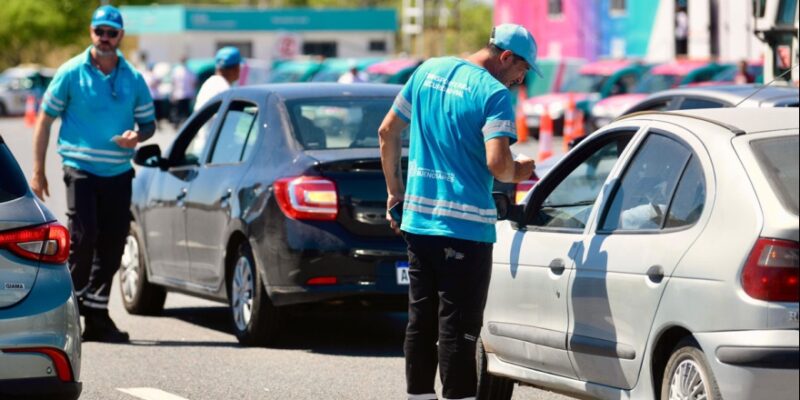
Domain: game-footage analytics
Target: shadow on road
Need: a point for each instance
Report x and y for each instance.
(325, 330)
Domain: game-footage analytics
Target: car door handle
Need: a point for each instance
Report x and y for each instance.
(182, 194)
(226, 195)
(655, 274)
(557, 266)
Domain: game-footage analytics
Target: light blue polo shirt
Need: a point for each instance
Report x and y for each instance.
(453, 107)
(94, 108)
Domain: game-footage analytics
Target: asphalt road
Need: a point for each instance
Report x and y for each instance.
(190, 353)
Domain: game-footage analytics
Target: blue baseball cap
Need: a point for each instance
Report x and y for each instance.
(107, 15)
(517, 40)
(228, 57)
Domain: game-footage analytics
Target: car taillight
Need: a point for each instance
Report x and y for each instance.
(772, 271)
(60, 360)
(48, 243)
(307, 197)
(522, 189)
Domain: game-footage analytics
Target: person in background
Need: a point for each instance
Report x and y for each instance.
(228, 62)
(743, 75)
(153, 81)
(99, 96)
(462, 125)
(353, 75)
(183, 90)
(681, 32)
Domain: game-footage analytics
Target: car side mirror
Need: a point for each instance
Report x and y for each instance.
(506, 210)
(150, 156)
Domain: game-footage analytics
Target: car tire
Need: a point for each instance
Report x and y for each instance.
(491, 387)
(2, 110)
(256, 321)
(139, 296)
(687, 374)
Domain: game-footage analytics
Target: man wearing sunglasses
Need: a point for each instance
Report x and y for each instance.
(99, 97)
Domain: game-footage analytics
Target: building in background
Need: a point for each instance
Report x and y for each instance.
(592, 29)
(170, 32)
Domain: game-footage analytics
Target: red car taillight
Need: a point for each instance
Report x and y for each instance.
(307, 197)
(48, 243)
(60, 360)
(772, 271)
(522, 189)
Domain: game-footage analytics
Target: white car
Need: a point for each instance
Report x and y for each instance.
(657, 260)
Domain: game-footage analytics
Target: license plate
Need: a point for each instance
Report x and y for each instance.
(402, 272)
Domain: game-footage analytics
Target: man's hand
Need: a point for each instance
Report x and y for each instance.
(39, 185)
(523, 168)
(127, 140)
(391, 201)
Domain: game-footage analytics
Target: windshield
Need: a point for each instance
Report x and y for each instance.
(379, 78)
(778, 158)
(584, 83)
(337, 123)
(652, 83)
(12, 184)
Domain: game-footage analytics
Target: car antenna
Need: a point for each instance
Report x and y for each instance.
(765, 86)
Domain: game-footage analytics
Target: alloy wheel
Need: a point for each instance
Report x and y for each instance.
(688, 382)
(131, 269)
(242, 289)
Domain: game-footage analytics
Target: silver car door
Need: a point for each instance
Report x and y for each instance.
(526, 313)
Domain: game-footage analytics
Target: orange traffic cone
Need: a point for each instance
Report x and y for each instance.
(522, 126)
(30, 111)
(569, 122)
(545, 136)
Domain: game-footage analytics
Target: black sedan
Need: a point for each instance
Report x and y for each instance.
(269, 196)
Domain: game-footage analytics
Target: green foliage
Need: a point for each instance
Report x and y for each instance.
(50, 31)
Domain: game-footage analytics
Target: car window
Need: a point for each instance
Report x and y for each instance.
(236, 127)
(569, 204)
(777, 158)
(641, 201)
(12, 182)
(689, 198)
(336, 123)
(189, 146)
(692, 103)
(625, 84)
(657, 105)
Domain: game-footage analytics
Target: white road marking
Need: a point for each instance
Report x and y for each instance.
(151, 394)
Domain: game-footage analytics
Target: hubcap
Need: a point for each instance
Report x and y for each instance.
(688, 382)
(129, 276)
(242, 293)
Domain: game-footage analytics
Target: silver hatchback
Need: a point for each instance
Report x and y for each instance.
(657, 260)
(40, 342)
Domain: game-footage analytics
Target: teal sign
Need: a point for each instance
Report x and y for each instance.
(168, 19)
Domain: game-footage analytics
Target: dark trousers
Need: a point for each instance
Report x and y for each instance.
(449, 280)
(99, 218)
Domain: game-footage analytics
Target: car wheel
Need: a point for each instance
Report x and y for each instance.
(256, 320)
(688, 376)
(491, 387)
(139, 296)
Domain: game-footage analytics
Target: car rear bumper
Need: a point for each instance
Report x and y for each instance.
(39, 389)
(754, 364)
(357, 276)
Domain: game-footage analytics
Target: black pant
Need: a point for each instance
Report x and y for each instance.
(99, 218)
(447, 295)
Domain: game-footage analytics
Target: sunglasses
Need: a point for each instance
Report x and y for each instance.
(109, 33)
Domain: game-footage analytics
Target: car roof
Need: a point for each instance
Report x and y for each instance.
(290, 91)
(737, 120)
(605, 67)
(733, 94)
(678, 67)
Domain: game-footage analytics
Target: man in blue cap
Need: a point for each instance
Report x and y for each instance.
(99, 97)
(228, 66)
(462, 125)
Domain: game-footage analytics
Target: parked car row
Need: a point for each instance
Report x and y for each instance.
(18, 83)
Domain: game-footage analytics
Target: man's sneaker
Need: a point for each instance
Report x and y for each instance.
(100, 328)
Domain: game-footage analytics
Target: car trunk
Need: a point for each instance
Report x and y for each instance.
(361, 189)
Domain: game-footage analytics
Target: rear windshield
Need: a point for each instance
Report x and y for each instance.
(12, 181)
(339, 123)
(778, 158)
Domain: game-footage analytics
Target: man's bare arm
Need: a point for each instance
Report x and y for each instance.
(389, 135)
(501, 162)
(41, 138)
